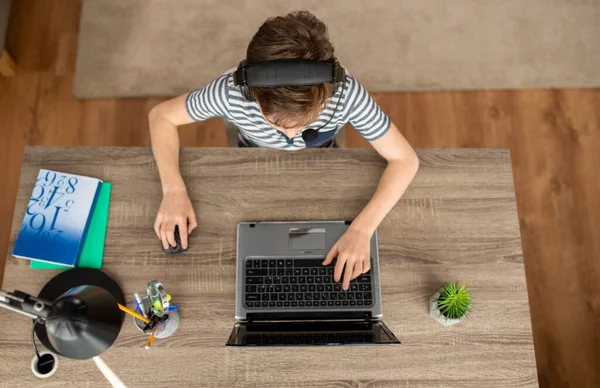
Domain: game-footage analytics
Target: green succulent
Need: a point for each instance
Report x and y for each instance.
(454, 302)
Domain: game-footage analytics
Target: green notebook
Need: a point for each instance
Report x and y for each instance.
(93, 246)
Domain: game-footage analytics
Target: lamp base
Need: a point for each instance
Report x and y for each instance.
(45, 366)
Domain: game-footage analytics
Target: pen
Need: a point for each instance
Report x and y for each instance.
(140, 304)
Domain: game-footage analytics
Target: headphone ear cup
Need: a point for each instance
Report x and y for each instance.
(239, 79)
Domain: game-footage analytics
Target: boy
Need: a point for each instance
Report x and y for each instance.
(276, 120)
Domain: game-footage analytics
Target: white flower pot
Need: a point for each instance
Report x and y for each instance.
(437, 315)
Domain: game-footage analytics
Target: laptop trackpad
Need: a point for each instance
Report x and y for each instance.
(307, 238)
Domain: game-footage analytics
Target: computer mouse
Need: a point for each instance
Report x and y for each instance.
(178, 248)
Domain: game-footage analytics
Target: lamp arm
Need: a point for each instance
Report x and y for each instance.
(25, 304)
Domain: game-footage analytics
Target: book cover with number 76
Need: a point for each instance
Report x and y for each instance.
(57, 217)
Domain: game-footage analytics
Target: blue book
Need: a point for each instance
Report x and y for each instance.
(57, 218)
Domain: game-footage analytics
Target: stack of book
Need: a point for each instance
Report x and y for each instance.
(65, 222)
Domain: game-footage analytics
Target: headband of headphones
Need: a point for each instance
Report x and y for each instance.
(287, 72)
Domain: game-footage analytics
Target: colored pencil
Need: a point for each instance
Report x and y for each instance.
(133, 313)
(151, 338)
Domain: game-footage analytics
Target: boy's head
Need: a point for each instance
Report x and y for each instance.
(298, 34)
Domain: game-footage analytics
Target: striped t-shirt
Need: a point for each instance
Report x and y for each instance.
(222, 98)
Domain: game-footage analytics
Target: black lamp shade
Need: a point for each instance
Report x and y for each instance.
(84, 322)
(67, 282)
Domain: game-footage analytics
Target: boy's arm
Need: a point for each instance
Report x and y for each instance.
(353, 248)
(403, 164)
(176, 207)
(201, 104)
(163, 121)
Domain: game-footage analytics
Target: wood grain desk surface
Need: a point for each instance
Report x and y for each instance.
(456, 222)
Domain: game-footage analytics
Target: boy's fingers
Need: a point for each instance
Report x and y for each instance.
(358, 268)
(163, 237)
(170, 232)
(193, 223)
(339, 267)
(331, 255)
(183, 233)
(348, 274)
(366, 265)
(157, 226)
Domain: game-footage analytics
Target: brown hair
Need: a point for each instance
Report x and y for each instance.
(298, 34)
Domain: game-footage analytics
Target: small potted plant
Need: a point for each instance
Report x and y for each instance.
(450, 304)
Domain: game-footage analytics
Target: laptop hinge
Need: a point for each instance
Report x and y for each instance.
(311, 316)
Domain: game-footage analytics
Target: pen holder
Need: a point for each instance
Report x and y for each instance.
(164, 329)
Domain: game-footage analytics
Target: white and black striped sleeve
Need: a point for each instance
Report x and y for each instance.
(210, 101)
(365, 115)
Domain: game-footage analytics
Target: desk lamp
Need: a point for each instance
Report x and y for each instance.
(76, 314)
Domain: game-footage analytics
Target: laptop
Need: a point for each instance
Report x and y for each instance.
(285, 297)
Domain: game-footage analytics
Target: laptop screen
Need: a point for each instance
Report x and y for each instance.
(311, 333)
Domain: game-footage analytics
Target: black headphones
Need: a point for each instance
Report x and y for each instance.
(290, 72)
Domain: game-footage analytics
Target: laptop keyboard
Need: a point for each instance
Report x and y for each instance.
(301, 283)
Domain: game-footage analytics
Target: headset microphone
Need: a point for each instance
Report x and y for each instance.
(309, 135)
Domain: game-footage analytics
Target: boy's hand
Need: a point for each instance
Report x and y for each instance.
(175, 209)
(353, 253)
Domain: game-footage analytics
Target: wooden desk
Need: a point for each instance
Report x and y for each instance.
(457, 222)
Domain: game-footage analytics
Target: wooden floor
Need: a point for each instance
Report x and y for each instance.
(553, 135)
